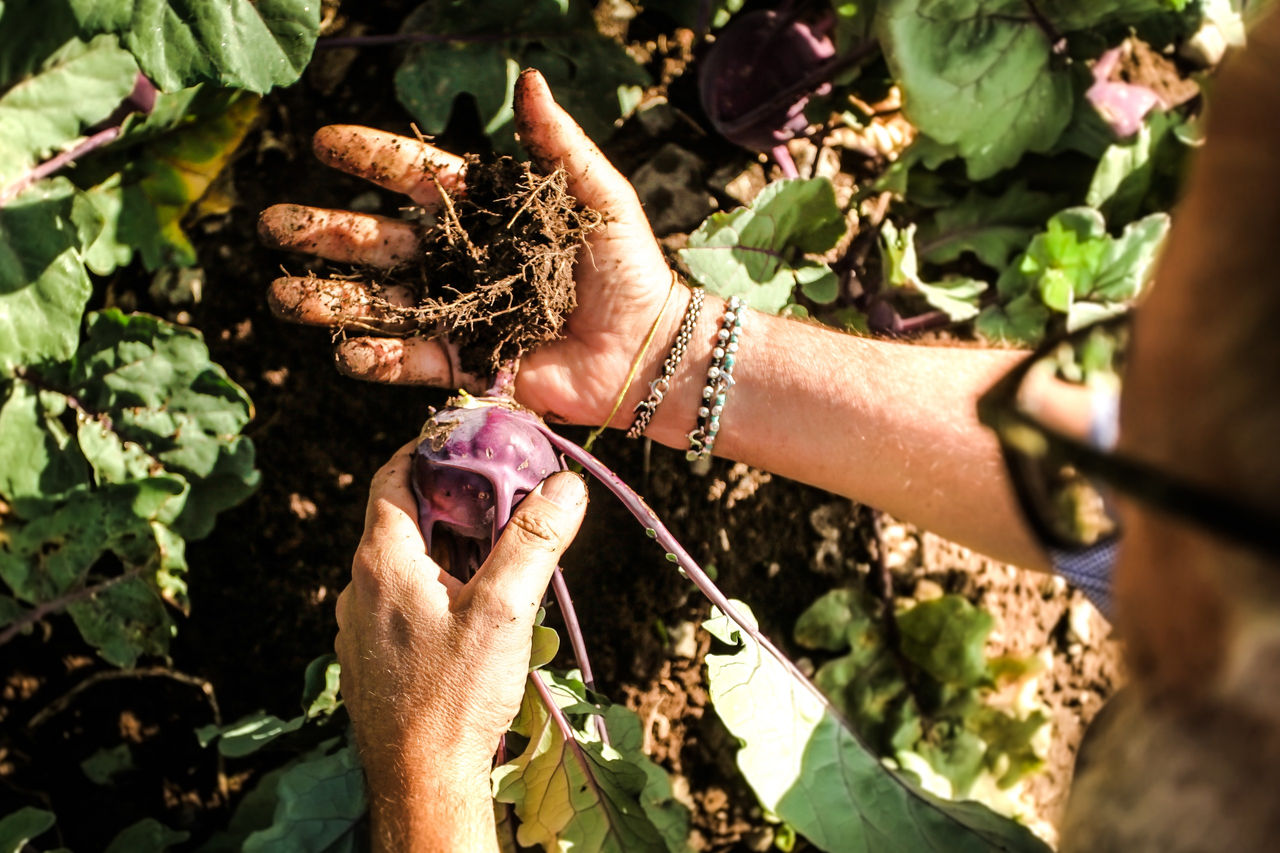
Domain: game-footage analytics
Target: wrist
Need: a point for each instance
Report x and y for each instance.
(431, 807)
(678, 414)
(665, 329)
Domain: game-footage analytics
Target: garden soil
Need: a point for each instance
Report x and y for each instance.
(263, 585)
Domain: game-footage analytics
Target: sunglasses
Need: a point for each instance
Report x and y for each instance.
(1057, 414)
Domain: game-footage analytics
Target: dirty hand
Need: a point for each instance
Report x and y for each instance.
(622, 278)
(433, 669)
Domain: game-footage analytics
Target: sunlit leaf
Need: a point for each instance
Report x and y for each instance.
(759, 252)
(573, 792)
(811, 770)
(79, 84)
(592, 75)
(248, 44)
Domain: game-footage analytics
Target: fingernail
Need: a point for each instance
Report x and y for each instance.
(565, 489)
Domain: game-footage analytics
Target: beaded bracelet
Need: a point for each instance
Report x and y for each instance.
(719, 380)
(658, 388)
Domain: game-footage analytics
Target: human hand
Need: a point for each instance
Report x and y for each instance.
(622, 278)
(433, 669)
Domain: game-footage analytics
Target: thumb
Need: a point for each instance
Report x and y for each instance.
(514, 577)
(554, 139)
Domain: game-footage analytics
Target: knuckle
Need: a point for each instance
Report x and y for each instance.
(534, 530)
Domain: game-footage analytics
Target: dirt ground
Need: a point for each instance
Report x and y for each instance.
(263, 585)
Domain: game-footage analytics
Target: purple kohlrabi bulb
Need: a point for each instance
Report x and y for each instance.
(472, 466)
(760, 58)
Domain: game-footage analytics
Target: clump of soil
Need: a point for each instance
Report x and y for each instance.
(497, 269)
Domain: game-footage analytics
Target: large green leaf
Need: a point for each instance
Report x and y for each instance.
(320, 806)
(19, 827)
(246, 44)
(811, 770)
(161, 392)
(43, 283)
(569, 790)
(758, 252)
(983, 77)
(146, 182)
(155, 455)
(667, 815)
(592, 76)
(977, 75)
(78, 85)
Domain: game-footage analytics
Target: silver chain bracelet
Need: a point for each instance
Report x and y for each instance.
(659, 387)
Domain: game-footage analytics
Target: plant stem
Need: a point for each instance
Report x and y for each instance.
(60, 603)
(658, 531)
(782, 157)
(502, 514)
(53, 164)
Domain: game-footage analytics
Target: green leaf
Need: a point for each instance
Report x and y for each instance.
(977, 75)
(10, 610)
(107, 763)
(1076, 259)
(758, 252)
(1022, 320)
(570, 790)
(667, 815)
(43, 283)
(29, 34)
(145, 183)
(814, 773)
(21, 826)
(39, 462)
(947, 638)
(245, 44)
(78, 85)
(320, 687)
(124, 621)
(991, 227)
(592, 75)
(248, 734)
(320, 806)
(1131, 172)
(160, 390)
(546, 642)
(957, 296)
(146, 836)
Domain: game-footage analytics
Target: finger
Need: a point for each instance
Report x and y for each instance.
(554, 139)
(391, 532)
(339, 235)
(333, 302)
(514, 578)
(396, 162)
(403, 361)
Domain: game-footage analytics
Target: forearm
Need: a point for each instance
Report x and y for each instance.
(887, 424)
(418, 811)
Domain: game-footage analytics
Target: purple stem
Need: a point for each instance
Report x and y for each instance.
(566, 730)
(502, 514)
(53, 164)
(655, 528)
(782, 157)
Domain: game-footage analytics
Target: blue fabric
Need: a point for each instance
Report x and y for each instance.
(1089, 570)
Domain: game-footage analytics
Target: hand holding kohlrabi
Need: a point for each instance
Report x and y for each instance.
(433, 668)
